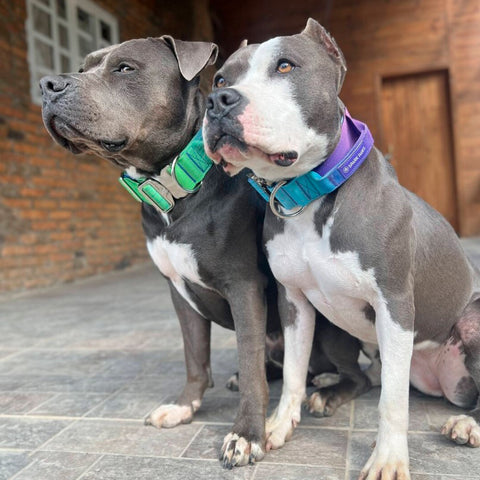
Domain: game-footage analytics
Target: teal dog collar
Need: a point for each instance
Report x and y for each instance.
(182, 177)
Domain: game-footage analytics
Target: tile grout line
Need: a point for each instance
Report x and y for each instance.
(32, 410)
(90, 467)
(349, 440)
(191, 441)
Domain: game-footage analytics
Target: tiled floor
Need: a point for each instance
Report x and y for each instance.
(82, 365)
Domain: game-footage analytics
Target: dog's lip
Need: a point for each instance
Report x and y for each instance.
(283, 159)
(59, 138)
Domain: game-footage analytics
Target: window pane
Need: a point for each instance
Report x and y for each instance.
(61, 9)
(65, 64)
(85, 46)
(105, 32)
(84, 20)
(63, 36)
(42, 22)
(43, 54)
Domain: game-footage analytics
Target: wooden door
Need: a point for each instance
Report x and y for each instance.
(417, 133)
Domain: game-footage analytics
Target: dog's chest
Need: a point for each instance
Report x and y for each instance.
(334, 282)
(177, 262)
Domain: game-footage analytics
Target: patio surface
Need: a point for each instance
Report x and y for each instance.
(81, 365)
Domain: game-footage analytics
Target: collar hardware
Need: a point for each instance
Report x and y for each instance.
(182, 177)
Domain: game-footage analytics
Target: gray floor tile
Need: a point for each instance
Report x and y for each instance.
(28, 433)
(127, 405)
(16, 403)
(122, 437)
(129, 468)
(56, 466)
(12, 462)
(266, 471)
(70, 404)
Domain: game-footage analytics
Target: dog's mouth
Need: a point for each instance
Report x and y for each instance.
(229, 147)
(63, 133)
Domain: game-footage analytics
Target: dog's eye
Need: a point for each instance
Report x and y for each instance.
(80, 70)
(284, 66)
(124, 68)
(220, 82)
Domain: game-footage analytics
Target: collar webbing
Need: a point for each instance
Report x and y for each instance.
(352, 149)
(182, 177)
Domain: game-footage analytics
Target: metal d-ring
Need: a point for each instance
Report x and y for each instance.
(273, 205)
(175, 179)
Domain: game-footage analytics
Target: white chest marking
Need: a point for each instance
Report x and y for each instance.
(177, 262)
(334, 283)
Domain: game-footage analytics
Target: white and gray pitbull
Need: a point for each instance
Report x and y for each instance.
(371, 256)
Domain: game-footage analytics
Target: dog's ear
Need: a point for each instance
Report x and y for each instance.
(243, 43)
(192, 57)
(317, 33)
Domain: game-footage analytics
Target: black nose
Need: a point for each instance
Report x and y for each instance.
(53, 86)
(220, 102)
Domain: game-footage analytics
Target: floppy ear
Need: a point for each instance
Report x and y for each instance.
(192, 57)
(318, 34)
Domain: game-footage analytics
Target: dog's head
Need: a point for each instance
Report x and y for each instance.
(134, 103)
(275, 108)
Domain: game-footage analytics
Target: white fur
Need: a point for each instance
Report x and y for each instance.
(334, 283)
(177, 262)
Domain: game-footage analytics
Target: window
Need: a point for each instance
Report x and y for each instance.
(60, 33)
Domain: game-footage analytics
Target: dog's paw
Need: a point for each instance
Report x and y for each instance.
(388, 462)
(170, 415)
(280, 426)
(462, 429)
(326, 380)
(321, 404)
(238, 451)
(232, 383)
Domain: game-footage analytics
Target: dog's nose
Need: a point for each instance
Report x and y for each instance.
(53, 86)
(220, 102)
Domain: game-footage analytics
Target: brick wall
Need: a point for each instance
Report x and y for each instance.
(63, 217)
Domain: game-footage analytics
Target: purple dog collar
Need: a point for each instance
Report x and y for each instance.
(352, 149)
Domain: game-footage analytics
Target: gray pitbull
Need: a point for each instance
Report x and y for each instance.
(138, 105)
(345, 238)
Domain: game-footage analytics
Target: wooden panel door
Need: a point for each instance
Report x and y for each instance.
(417, 133)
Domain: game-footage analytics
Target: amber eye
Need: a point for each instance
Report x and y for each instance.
(284, 66)
(220, 82)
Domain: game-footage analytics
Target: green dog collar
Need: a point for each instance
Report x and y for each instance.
(182, 177)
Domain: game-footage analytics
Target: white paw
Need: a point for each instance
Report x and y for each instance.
(316, 404)
(326, 380)
(170, 415)
(388, 462)
(463, 430)
(238, 451)
(280, 426)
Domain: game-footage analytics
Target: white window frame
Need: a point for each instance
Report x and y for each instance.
(73, 32)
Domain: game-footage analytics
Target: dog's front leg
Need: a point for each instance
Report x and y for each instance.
(389, 460)
(196, 341)
(298, 322)
(245, 443)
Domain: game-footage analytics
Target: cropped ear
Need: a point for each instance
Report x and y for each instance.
(318, 34)
(192, 57)
(243, 43)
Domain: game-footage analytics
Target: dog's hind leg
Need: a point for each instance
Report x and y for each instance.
(196, 340)
(342, 350)
(465, 429)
